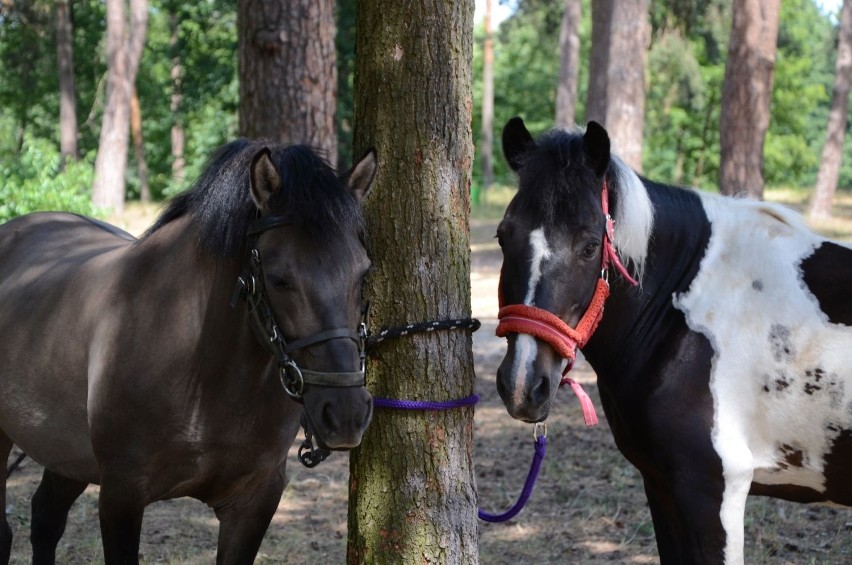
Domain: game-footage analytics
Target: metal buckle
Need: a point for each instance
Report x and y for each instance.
(540, 430)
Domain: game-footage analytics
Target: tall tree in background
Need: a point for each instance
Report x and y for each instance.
(124, 51)
(487, 151)
(569, 64)
(829, 169)
(288, 73)
(616, 93)
(599, 61)
(177, 134)
(412, 497)
(139, 146)
(746, 96)
(67, 93)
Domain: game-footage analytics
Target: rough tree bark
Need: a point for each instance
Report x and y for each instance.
(124, 51)
(67, 93)
(616, 94)
(412, 496)
(746, 95)
(832, 151)
(487, 102)
(288, 73)
(569, 64)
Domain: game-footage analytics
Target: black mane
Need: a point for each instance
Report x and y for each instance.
(220, 203)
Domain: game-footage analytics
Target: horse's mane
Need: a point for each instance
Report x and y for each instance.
(220, 203)
(558, 157)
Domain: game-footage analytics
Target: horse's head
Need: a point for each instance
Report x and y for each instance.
(552, 237)
(309, 241)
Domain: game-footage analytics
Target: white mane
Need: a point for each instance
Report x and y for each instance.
(634, 217)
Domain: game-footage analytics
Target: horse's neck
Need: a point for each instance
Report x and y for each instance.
(220, 333)
(637, 319)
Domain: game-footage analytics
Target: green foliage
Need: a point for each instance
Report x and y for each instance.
(35, 182)
(684, 75)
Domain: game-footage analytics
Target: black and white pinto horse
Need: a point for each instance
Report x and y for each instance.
(727, 370)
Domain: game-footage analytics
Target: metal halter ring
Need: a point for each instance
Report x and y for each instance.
(540, 430)
(292, 379)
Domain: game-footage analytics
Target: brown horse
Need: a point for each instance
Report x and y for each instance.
(127, 363)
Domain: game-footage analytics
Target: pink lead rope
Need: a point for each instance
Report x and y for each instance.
(541, 324)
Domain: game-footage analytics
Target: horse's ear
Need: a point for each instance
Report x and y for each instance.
(265, 182)
(359, 179)
(596, 144)
(516, 142)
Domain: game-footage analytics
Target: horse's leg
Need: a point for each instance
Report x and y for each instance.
(121, 505)
(5, 530)
(243, 521)
(50, 505)
(687, 521)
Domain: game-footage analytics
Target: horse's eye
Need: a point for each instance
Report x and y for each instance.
(590, 249)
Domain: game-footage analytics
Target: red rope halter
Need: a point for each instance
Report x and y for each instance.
(543, 325)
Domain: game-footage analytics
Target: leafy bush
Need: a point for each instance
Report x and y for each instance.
(34, 182)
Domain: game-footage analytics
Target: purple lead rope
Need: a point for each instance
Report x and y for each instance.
(425, 404)
(538, 456)
(529, 484)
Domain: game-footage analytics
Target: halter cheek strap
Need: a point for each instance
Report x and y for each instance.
(546, 326)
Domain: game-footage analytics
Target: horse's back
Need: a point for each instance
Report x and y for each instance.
(55, 271)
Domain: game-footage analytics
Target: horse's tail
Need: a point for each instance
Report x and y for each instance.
(15, 464)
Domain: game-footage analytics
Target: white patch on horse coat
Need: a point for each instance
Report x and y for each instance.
(540, 253)
(769, 337)
(634, 217)
(525, 345)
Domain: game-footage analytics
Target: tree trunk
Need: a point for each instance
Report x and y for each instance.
(178, 136)
(412, 496)
(67, 93)
(832, 151)
(124, 52)
(488, 102)
(616, 94)
(139, 147)
(569, 64)
(625, 99)
(599, 61)
(746, 96)
(288, 73)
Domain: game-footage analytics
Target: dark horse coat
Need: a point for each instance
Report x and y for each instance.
(124, 363)
(726, 372)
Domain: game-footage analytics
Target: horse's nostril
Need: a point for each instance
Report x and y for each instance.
(501, 386)
(541, 391)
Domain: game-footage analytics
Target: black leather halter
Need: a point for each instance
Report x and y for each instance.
(250, 286)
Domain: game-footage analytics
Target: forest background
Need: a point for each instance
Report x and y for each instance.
(192, 46)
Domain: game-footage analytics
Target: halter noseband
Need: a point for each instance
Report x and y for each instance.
(262, 320)
(546, 326)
